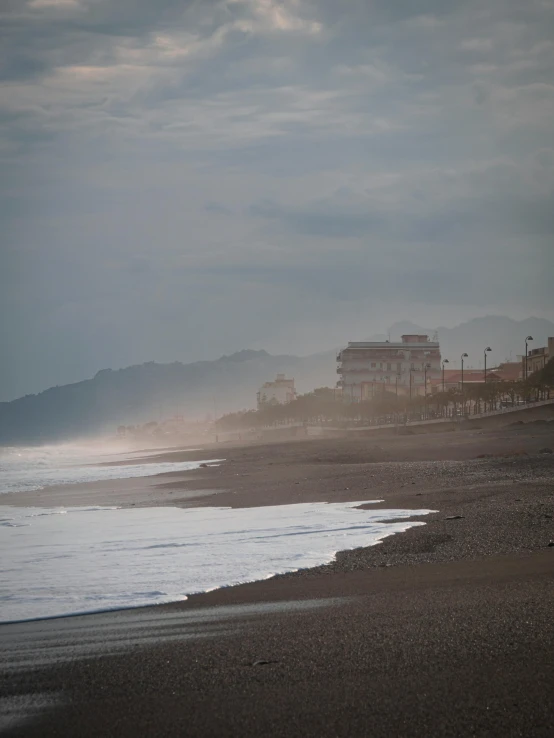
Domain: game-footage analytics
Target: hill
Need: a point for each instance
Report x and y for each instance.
(149, 391)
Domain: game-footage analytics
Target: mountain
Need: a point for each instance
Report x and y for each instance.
(149, 391)
(505, 336)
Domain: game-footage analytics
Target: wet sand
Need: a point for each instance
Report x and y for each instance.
(135, 491)
(446, 629)
(316, 470)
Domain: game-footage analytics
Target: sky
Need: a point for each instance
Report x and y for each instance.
(182, 180)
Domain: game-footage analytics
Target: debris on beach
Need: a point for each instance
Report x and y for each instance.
(454, 517)
(263, 662)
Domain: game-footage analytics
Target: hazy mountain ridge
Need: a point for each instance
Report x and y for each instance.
(150, 391)
(505, 336)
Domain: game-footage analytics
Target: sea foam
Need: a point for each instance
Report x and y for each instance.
(24, 469)
(95, 558)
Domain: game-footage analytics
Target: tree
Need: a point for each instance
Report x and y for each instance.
(543, 380)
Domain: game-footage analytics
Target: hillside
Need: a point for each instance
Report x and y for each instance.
(150, 391)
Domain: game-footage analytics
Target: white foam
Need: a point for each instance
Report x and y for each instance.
(25, 469)
(91, 559)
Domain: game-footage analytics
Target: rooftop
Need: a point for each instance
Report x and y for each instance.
(393, 345)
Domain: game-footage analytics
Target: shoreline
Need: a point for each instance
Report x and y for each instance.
(284, 474)
(288, 471)
(320, 541)
(445, 629)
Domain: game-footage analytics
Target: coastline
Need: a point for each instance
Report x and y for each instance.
(440, 630)
(315, 470)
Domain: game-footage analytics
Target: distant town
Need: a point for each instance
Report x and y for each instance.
(411, 368)
(382, 383)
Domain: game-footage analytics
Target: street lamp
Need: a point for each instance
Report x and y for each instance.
(425, 367)
(444, 361)
(529, 338)
(485, 355)
(462, 358)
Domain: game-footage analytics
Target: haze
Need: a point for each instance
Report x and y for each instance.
(185, 179)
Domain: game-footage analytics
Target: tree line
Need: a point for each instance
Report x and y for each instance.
(324, 406)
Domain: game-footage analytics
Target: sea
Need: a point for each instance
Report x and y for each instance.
(32, 468)
(67, 561)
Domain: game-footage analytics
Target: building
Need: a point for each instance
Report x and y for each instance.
(279, 392)
(453, 379)
(538, 358)
(509, 371)
(404, 368)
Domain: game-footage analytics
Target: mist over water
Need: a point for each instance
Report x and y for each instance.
(30, 468)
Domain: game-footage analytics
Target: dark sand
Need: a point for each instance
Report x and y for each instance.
(445, 630)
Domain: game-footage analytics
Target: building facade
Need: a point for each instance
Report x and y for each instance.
(405, 368)
(538, 358)
(451, 379)
(509, 371)
(279, 392)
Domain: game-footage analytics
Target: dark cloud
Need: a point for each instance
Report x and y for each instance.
(319, 222)
(217, 208)
(471, 215)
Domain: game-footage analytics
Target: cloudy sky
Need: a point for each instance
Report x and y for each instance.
(185, 179)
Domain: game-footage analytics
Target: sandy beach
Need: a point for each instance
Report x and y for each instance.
(445, 629)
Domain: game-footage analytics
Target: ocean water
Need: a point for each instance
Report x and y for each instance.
(28, 468)
(76, 560)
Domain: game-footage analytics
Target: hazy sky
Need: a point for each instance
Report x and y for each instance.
(185, 179)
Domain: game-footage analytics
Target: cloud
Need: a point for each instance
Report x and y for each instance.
(179, 175)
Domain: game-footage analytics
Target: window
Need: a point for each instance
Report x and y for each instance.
(373, 365)
(389, 367)
(399, 367)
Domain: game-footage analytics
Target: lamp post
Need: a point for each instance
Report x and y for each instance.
(425, 367)
(529, 338)
(485, 355)
(463, 403)
(444, 361)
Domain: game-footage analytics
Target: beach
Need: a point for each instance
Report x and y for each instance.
(444, 629)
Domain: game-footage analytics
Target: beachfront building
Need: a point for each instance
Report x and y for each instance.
(407, 368)
(508, 371)
(279, 392)
(453, 379)
(538, 358)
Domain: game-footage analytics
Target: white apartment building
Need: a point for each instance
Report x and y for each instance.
(279, 392)
(405, 368)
